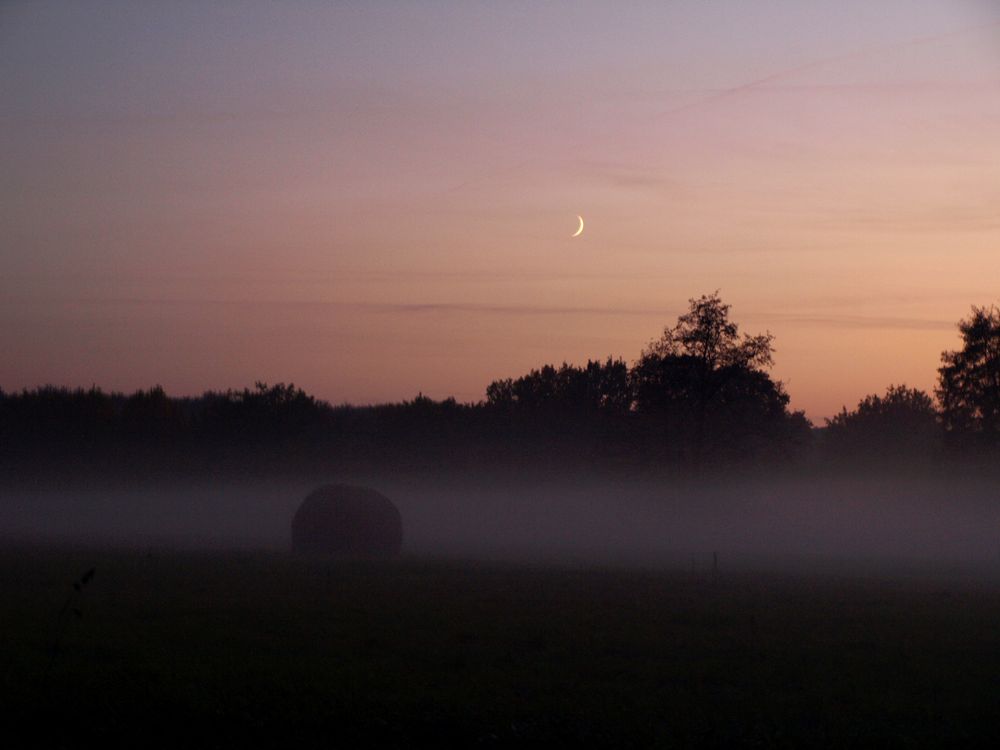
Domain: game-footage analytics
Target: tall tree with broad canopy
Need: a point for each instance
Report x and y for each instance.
(969, 380)
(707, 385)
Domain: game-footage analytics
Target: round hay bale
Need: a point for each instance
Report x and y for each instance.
(340, 519)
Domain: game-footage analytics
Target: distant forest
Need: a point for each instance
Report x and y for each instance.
(698, 401)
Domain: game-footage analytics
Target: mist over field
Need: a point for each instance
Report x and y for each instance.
(784, 522)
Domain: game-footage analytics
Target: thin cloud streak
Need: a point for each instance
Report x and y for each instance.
(465, 308)
(851, 87)
(859, 321)
(326, 276)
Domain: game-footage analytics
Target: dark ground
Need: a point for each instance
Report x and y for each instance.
(252, 649)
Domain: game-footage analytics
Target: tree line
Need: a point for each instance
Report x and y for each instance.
(699, 399)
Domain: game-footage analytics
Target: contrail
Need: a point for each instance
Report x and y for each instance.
(866, 52)
(720, 94)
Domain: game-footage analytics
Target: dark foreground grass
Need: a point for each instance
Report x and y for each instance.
(255, 649)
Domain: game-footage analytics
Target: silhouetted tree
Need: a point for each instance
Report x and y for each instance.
(969, 381)
(151, 413)
(903, 424)
(560, 413)
(701, 373)
(597, 385)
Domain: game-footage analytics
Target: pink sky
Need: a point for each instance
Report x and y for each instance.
(373, 200)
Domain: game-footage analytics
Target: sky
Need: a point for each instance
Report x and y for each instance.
(375, 199)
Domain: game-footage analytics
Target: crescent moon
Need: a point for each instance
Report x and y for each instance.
(579, 231)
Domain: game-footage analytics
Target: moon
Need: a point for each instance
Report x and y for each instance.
(579, 231)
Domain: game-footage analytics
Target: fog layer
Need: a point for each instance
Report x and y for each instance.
(567, 520)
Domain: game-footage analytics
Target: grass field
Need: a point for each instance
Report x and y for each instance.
(238, 649)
